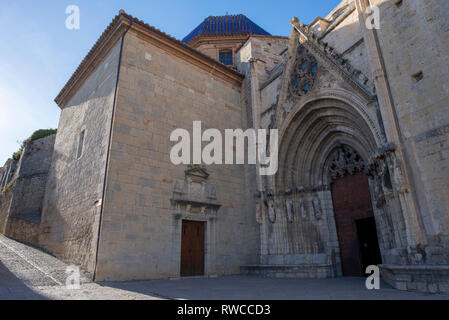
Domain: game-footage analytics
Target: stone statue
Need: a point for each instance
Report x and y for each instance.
(302, 208)
(317, 208)
(398, 177)
(289, 209)
(271, 210)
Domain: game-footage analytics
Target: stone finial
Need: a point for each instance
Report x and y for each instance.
(294, 22)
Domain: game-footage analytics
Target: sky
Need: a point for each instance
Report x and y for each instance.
(38, 54)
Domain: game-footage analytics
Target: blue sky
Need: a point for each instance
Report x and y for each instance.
(38, 54)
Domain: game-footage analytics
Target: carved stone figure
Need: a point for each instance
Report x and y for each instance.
(302, 208)
(289, 209)
(317, 208)
(416, 254)
(271, 210)
(345, 161)
(398, 177)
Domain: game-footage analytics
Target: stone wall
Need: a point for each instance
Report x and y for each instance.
(268, 49)
(345, 36)
(23, 229)
(5, 202)
(7, 172)
(141, 228)
(414, 37)
(69, 226)
(29, 188)
(427, 278)
(270, 53)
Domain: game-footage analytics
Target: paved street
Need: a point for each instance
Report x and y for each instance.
(28, 273)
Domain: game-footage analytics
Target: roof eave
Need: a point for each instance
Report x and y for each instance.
(99, 50)
(113, 33)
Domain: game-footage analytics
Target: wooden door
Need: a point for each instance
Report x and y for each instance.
(352, 202)
(192, 248)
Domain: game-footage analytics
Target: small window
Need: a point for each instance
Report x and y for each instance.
(226, 57)
(79, 152)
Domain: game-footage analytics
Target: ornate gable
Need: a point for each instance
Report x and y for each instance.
(312, 65)
(313, 68)
(196, 174)
(194, 194)
(332, 60)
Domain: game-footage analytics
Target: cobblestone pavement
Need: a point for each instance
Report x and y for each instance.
(29, 273)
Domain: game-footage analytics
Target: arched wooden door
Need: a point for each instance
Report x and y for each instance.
(356, 228)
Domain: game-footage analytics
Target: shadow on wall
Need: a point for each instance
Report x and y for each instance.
(69, 222)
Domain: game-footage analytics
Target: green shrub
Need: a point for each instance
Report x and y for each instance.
(18, 154)
(38, 134)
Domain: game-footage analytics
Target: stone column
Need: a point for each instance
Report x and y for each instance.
(256, 111)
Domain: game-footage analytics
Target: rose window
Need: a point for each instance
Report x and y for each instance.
(304, 72)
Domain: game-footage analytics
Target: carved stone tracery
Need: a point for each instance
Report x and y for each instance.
(304, 72)
(345, 160)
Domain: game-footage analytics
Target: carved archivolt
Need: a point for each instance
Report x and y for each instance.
(345, 160)
(314, 133)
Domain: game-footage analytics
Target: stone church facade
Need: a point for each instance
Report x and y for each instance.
(363, 123)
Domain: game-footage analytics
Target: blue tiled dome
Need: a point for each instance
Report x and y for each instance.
(225, 25)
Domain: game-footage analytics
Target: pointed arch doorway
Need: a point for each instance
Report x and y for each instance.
(356, 227)
(353, 211)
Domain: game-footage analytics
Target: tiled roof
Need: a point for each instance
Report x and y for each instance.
(225, 25)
